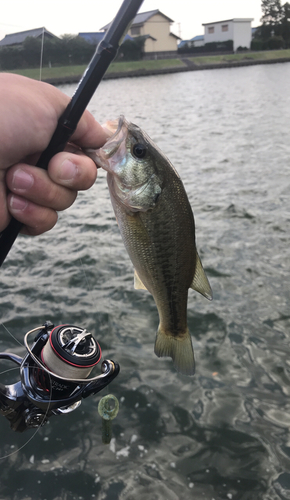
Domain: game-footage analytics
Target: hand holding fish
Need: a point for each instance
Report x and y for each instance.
(29, 112)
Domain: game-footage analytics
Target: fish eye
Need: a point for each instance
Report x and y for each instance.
(139, 150)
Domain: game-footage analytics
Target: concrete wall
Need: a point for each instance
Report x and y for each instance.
(218, 34)
(242, 35)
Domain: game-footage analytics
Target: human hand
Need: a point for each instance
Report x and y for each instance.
(29, 112)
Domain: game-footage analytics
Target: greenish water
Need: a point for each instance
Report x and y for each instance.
(224, 433)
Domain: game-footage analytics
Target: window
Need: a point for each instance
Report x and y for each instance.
(210, 29)
(135, 31)
(225, 27)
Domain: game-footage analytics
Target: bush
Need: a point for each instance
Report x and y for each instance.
(227, 46)
(219, 46)
(257, 44)
(275, 42)
(131, 50)
(66, 50)
(11, 58)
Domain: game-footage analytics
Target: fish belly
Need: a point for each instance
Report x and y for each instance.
(161, 246)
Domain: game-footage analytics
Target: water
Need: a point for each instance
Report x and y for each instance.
(223, 434)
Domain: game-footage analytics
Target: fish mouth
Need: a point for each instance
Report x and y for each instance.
(106, 156)
(113, 127)
(117, 132)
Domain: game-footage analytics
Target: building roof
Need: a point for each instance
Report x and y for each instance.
(175, 36)
(235, 20)
(95, 37)
(182, 43)
(17, 38)
(197, 38)
(143, 17)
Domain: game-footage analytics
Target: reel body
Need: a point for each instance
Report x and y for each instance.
(53, 375)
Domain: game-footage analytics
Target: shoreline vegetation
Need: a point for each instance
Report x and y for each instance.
(71, 74)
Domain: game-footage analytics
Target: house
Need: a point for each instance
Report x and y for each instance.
(196, 41)
(238, 29)
(18, 38)
(154, 26)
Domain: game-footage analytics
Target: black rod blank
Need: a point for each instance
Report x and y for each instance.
(105, 53)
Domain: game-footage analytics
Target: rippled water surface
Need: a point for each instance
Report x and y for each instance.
(224, 433)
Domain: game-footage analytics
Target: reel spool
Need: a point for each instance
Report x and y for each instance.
(71, 352)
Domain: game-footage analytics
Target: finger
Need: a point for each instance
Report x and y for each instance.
(89, 133)
(75, 171)
(36, 219)
(35, 185)
(42, 105)
(4, 219)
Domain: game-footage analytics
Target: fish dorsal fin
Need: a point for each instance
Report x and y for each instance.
(200, 282)
(138, 284)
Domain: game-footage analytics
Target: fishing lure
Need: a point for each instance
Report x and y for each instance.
(107, 413)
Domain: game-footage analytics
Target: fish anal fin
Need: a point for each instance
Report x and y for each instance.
(178, 348)
(200, 282)
(138, 284)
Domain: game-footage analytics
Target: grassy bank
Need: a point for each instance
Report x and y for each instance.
(245, 56)
(117, 67)
(155, 65)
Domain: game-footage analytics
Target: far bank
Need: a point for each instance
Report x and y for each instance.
(72, 74)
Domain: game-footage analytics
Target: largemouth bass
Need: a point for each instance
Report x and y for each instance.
(157, 227)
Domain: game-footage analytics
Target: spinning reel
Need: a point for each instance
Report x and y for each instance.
(53, 375)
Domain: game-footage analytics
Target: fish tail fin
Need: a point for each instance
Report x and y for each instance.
(178, 348)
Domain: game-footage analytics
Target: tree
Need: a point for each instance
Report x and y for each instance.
(272, 12)
(285, 24)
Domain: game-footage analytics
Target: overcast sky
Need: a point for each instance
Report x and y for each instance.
(72, 16)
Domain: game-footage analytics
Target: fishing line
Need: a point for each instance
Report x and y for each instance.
(38, 428)
(41, 54)
(11, 335)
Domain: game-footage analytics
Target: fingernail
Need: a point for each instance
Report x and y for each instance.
(17, 203)
(68, 170)
(22, 180)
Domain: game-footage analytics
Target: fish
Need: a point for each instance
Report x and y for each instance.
(157, 226)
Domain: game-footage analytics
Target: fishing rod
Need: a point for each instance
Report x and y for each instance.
(105, 53)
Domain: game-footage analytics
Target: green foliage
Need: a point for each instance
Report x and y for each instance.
(274, 33)
(11, 57)
(272, 12)
(275, 42)
(226, 46)
(257, 44)
(131, 50)
(68, 49)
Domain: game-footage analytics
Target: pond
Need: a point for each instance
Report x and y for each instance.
(224, 433)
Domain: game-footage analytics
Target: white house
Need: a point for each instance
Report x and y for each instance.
(238, 29)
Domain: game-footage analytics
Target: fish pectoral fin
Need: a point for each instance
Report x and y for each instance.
(138, 284)
(200, 282)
